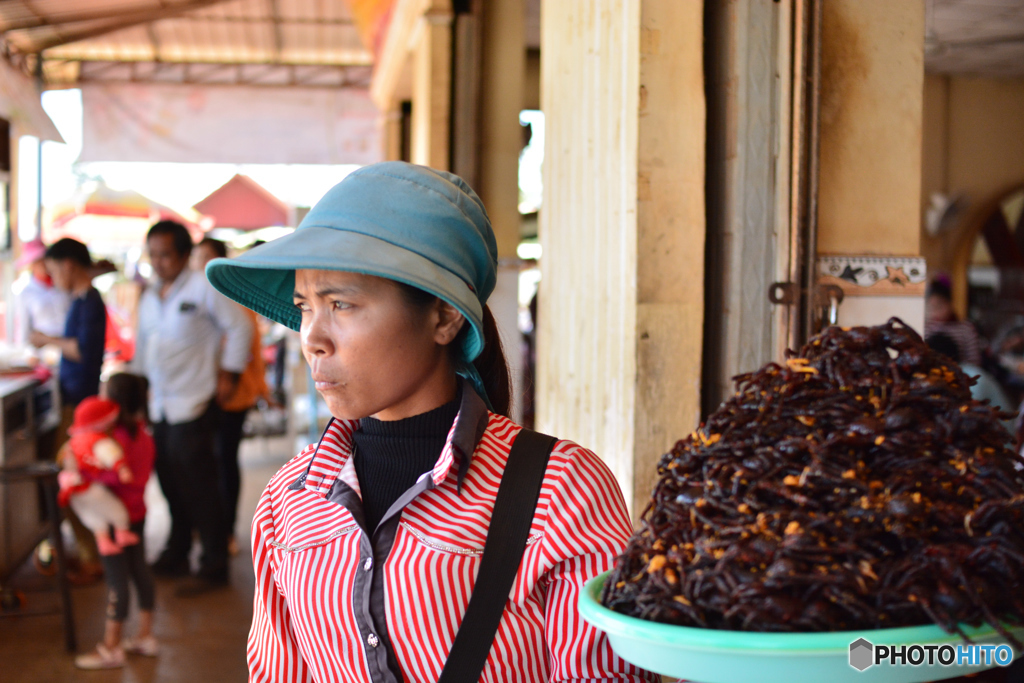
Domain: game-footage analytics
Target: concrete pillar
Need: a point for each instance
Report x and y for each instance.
(391, 122)
(431, 87)
(502, 74)
(622, 229)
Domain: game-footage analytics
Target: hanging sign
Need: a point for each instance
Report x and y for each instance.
(229, 124)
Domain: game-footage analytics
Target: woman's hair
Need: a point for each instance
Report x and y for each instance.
(491, 363)
(940, 287)
(944, 344)
(129, 392)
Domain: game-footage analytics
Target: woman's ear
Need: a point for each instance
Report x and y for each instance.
(449, 322)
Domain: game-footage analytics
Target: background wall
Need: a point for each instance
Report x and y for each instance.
(974, 145)
(872, 70)
(869, 195)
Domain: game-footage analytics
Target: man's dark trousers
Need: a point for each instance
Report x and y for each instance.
(187, 471)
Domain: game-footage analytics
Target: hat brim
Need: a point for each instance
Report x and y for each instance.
(263, 278)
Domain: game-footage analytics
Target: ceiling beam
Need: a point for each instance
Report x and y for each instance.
(126, 20)
(212, 73)
(41, 21)
(982, 42)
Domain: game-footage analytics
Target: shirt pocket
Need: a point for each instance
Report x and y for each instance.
(458, 551)
(309, 565)
(456, 541)
(304, 527)
(298, 545)
(188, 320)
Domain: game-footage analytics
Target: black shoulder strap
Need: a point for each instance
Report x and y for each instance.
(503, 551)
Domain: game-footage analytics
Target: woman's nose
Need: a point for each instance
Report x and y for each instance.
(316, 339)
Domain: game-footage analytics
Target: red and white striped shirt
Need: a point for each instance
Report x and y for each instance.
(335, 604)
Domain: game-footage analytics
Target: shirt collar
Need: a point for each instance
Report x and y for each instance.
(332, 459)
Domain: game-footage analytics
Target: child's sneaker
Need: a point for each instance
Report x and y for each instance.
(147, 646)
(106, 545)
(44, 560)
(101, 658)
(125, 537)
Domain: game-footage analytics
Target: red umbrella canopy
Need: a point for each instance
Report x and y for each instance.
(243, 204)
(100, 200)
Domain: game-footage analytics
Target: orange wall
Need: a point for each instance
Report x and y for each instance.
(872, 71)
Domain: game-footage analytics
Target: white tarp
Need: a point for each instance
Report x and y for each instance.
(20, 104)
(229, 124)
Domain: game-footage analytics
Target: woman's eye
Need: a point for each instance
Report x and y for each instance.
(302, 306)
(340, 305)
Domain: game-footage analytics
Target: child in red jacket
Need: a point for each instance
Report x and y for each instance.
(93, 451)
(128, 567)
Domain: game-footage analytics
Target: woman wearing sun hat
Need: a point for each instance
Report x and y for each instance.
(426, 536)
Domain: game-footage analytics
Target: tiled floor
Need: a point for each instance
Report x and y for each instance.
(203, 638)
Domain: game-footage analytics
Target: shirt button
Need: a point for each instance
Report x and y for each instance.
(367, 564)
(372, 640)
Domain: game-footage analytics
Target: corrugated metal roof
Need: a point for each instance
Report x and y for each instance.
(73, 34)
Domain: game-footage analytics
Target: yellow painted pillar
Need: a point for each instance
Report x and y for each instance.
(499, 140)
(391, 123)
(869, 196)
(671, 232)
(431, 87)
(871, 99)
(622, 230)
(502, 76)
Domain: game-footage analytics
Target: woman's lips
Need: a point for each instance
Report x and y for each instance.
(323, 384)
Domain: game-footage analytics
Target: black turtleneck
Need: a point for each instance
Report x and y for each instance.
(391, 456)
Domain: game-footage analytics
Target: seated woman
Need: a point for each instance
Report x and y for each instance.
(367, 545)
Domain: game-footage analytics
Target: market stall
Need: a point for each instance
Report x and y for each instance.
(29, 415)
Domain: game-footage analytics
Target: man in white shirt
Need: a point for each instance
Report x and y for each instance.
(192, 345)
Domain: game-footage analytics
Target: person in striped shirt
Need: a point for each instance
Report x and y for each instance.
(367, 544)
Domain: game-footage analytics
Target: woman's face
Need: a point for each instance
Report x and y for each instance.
(370, 351)
(938, 309)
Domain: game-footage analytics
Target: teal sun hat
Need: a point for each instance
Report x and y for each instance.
(412, 224)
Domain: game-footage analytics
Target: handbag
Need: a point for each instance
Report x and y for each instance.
(509, 530)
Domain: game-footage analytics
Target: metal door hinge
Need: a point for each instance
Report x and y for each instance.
(824, 298)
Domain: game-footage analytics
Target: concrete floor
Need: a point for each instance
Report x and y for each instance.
(203, 638)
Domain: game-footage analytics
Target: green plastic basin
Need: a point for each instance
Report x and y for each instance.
(716, 656)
